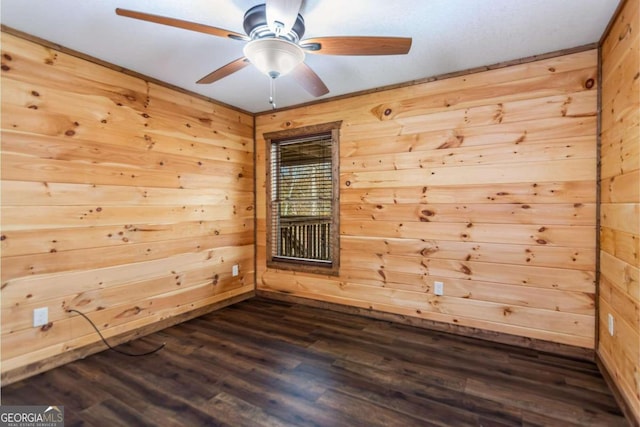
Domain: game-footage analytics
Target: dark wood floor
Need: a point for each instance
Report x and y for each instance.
(269, 363)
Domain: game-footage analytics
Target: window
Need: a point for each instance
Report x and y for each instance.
(303, 199)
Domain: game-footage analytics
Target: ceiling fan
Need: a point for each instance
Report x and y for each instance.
(274, 32)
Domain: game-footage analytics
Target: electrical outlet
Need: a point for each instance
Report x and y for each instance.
(235, 270)
(40, 316)
(438, 288)
(610, 323)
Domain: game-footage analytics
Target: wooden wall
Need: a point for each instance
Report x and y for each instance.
(121, 198)
(620, 204)
(485, 181)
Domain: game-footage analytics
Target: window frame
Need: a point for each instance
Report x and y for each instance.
(273, 261)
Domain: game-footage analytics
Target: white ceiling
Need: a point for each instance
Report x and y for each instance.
(448, 36)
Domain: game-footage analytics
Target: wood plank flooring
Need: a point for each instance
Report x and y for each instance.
(272, 363)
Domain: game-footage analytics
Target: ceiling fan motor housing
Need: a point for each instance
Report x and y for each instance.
(256, 27)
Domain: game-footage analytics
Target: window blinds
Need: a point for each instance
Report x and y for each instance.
(302, 195)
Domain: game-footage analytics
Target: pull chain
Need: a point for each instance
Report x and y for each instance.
(272, 93)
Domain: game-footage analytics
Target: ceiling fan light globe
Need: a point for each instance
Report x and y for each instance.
(274, 56)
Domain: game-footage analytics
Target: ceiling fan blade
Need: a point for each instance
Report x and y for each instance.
(354, 45)
(187, 25)
(309, 80)
(224, 71)
(282, 15)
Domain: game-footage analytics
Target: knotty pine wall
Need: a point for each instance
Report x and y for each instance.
(121, 198)
(485, 181)
(620, 204)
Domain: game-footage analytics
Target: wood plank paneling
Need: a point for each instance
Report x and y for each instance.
(486, 182)
(619, 294)
(121, 198)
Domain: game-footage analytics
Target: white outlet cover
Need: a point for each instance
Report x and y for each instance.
(610, 323)
(438, 288)
(235, 270)
(40, 316)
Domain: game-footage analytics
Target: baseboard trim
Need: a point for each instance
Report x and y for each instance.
(40, 366)
(621, 400)
(498, 337)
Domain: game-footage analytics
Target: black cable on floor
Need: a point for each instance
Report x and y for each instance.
(109, 345)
